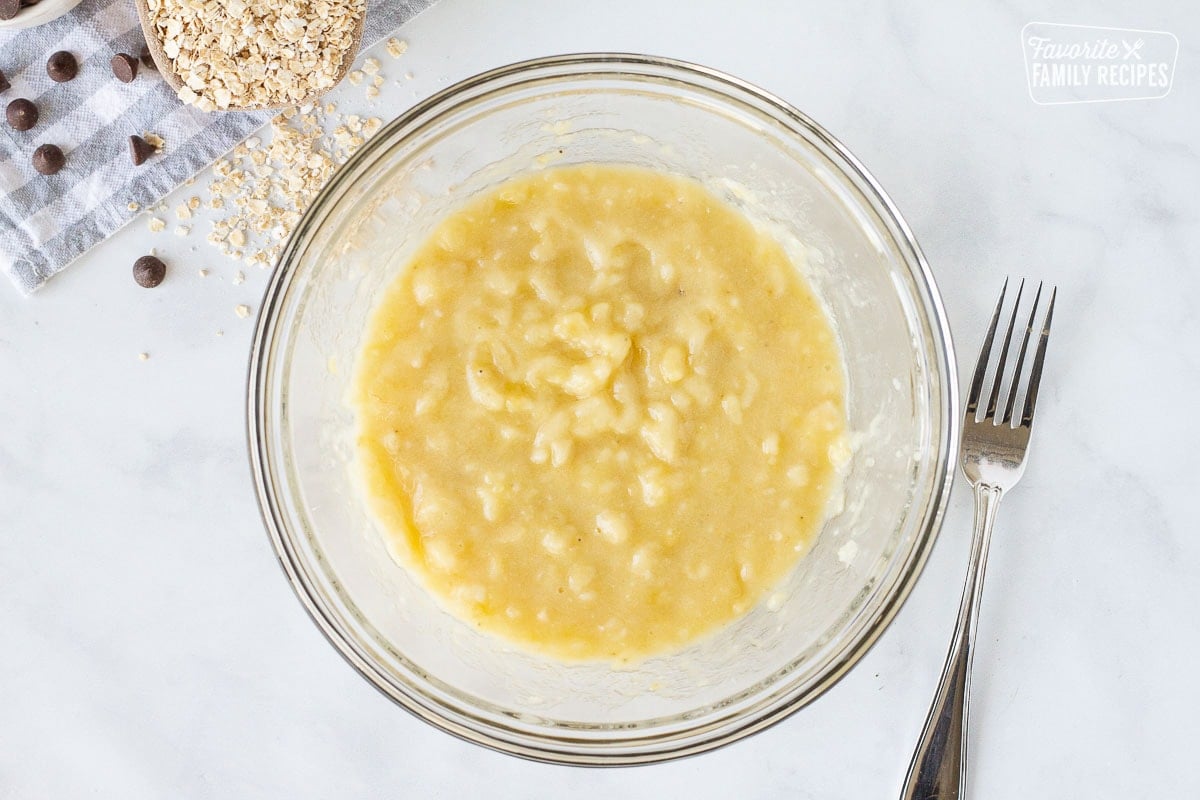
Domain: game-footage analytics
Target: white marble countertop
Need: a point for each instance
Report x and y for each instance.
(152, 648)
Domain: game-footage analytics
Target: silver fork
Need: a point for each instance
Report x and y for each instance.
(993, 454)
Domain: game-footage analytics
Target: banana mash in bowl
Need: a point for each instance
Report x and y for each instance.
(602, 410)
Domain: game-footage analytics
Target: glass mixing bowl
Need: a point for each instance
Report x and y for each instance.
(785, 171)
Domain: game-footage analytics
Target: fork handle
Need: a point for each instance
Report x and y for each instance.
(938, 768)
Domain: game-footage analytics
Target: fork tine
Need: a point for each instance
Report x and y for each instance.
(984, 353)
(1012, 321)
(1016, 379)
(1035, 373)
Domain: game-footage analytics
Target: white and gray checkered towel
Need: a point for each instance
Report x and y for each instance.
(48, 221)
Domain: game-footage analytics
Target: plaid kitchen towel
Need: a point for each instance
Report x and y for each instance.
(46, 221)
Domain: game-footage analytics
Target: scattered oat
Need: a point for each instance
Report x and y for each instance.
(396, 48)
(182, 230)
(370, 66)
(239, 277)
(133, 206)
(183, 212)
(263, 190)
(154, 140)
(203, 273)
(143, 356)
(156, 225)
(193, 203)
(242, 311)
(355, 77)
(372, 92)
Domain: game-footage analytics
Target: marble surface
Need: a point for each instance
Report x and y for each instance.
(152, 648)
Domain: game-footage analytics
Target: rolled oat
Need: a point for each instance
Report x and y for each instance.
(241, 54)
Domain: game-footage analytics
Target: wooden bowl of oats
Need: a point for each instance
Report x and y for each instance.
(291, 54)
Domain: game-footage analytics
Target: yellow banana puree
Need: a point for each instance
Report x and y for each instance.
(600, 413)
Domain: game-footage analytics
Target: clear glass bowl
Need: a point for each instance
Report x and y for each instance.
(861, 258)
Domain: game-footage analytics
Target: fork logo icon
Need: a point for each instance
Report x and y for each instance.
(1133, 50)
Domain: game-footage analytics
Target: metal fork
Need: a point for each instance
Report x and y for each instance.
(993, 455)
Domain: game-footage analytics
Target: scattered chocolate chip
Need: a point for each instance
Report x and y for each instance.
(22, 114)
(49, 159)
(124, 67)
(62, 66)
(10, 8)
(4, 84)
(149, 271)
(139, 150)
(147, 59)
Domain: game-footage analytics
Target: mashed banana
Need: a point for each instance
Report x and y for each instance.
(600, 413)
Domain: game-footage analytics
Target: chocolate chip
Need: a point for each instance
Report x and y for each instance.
(147, 59)
(49, 159)
(7, 10)
(139, 150)
(62, 66)
(22, 114)
(4, 84)
(124, 67)
(149, 271)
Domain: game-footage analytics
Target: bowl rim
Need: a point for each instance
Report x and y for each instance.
(485, 733)
(43, 12)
